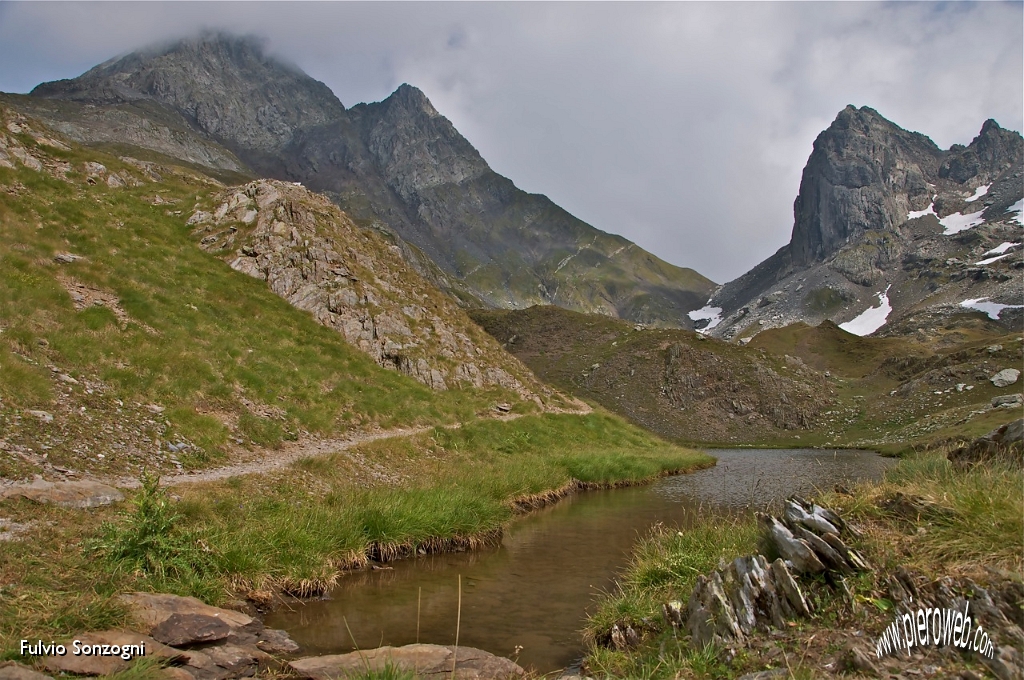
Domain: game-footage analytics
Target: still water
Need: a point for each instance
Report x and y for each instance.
(534, 590)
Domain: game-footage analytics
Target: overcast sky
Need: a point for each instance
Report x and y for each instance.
(682, 126)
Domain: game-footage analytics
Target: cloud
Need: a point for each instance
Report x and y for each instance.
(683, 126)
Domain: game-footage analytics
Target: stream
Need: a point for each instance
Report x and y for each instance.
(533, 591)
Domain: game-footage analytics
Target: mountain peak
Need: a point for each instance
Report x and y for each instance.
(412, 98)
(990, 125)
(988, 154)
(225, 85)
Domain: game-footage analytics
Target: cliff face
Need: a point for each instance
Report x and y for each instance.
(883, 212)
(396, 165)
(864, 173)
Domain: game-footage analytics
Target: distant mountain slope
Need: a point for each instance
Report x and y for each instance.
(794, 386)
(886, 219)
(670, 381)
(398, 165)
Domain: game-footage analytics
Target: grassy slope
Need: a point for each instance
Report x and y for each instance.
(899, 394)
(196, 336)
(672, 382)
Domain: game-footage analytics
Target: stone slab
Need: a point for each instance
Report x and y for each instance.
(426, 661)
(79, 494)
(179, 630)
(152, 609)
(15, 671)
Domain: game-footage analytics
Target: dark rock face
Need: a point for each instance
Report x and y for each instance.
(990, 153)
(863, 174)
(397, 165)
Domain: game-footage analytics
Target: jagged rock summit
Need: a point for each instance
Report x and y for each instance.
(885, 219)
(396, 165)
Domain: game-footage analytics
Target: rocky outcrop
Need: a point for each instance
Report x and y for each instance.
(398, 165)
(1004, 445)
(354, 281)
(751, 594)
(424, 661)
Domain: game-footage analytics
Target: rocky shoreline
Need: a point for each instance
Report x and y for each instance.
(195, 641)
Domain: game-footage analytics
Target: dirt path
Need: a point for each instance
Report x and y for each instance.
(268, 460)
(275, 459)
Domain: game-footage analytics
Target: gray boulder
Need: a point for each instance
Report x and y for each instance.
(426, 661)
(1005, 377)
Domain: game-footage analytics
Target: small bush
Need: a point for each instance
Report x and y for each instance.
(147, 541)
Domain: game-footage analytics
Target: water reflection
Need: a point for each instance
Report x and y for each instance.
(534, 590)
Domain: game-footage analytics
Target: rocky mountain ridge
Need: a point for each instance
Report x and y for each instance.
(311, 254)
(887, 220)
(396, 165)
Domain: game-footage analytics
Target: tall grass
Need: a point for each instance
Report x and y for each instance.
(149, 541)
(459, 488)
(974, 516)
(664, 566)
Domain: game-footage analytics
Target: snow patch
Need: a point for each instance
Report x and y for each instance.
(990, 260)
(993, 309)
(1018, 208)
(712, 314)
(872, 318)
(999, 252)
(914, 214)
(978, 193)
(1001, 248)
(958, 222)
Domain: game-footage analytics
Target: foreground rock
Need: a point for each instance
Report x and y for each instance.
(210, 643)
(153, 611)
(426, 661)
(188, 629)
(15, 671)
(1004, 444)
(88, 664)
(80, 494)
(752, 595)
